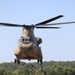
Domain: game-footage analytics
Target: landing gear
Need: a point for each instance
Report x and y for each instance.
(17, 61)
(39, 61)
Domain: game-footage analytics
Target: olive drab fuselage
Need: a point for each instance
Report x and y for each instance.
(28, 45)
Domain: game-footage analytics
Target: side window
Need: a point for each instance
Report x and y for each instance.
(21, 39)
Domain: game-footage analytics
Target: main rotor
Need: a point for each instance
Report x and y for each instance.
(42, 25)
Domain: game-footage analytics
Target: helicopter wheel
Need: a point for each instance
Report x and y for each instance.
(37, 60)
(17, 61)
(41, 61)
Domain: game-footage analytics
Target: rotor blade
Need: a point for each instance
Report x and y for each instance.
(9, 24)
(49, 20)
(48, 27)
(60, 23)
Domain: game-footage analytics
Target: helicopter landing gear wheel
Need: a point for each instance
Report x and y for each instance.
(39, 60)
(17, 61)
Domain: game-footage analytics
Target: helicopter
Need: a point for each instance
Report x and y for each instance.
(29, 45)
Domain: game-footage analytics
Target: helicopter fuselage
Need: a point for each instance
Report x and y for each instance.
(28, 46)
(28, 51)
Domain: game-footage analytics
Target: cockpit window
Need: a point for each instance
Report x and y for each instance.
(26, 40)
(22, 39)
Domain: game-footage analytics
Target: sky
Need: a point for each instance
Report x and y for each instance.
(58, 45)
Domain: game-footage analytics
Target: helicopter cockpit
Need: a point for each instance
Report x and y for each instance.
(26, 40)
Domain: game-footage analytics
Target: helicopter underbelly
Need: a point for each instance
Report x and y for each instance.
(31, 53)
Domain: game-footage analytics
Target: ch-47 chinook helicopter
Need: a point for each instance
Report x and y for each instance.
(29, 44)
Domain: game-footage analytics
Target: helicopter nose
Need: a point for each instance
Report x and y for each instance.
(32, 46)
(26, 46)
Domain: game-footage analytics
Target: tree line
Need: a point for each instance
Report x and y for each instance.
(50, 68)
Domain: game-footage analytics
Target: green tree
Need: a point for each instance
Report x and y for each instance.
(2, 70)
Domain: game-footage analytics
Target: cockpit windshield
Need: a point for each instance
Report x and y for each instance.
(26, 40)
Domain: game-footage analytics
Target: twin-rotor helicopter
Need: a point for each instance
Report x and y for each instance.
(28, 47)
